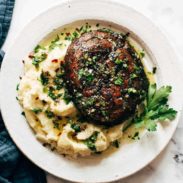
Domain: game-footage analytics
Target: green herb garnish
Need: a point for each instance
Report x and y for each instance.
(44, 78)
(67, 97)
(36, 110)
(135, 136)
(17, 87)
(54, 43)
(106, 30)
(118, 81)
(132, 90)
(75, 127)
(154, 70)
(38, 48)
(125, 65)
(118, 61)
(156, 109)
(90, 142)
(89, 77)
(75, 35)
(38, 59)
(56, 124)
(45, 89)
(89, 102)
(52, 95)
(49, 114)
(81, 73)
(58, 82)
(133, 75)
(85, 28)
(85, 74)
(142, 54)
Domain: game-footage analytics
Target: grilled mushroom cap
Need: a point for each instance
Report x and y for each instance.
(105, 77)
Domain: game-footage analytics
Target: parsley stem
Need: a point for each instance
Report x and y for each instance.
(128, 125)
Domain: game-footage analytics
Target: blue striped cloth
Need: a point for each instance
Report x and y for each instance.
(14, 167)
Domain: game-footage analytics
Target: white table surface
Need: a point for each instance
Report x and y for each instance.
(168, 16)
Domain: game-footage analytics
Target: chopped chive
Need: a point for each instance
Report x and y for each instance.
(154, 70)
(17, 87)
(36, 110)
(75, 127)
(142, 54)
(118, 81)
(49, 114)
(37, 48)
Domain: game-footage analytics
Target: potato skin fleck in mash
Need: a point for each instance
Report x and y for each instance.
(48, 107)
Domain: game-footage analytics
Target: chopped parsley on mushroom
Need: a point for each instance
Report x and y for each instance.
(67, 97)
(118, 81)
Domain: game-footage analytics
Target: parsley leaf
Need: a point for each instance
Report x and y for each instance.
(154, 70)
(38, 59)
(118, 61)
(52, 95)
(158, 97)
(75, 127)
(44, 78)
(85, 74)
(151, 125)
(38, 48)
(49, 114)
(17, 87)
(67, 97)
(81, 73)
(36, 110)
(142, 54)
(118, 81)
(56, 124)
(54, 43)
(90, 142)
(155, 110)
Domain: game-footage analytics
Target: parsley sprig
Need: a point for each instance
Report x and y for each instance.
(155, 110)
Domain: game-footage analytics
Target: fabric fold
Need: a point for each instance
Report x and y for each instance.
(14, 166)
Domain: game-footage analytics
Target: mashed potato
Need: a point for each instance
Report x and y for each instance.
(48, 109)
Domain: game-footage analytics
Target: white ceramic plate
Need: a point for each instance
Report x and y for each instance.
(130, 157)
